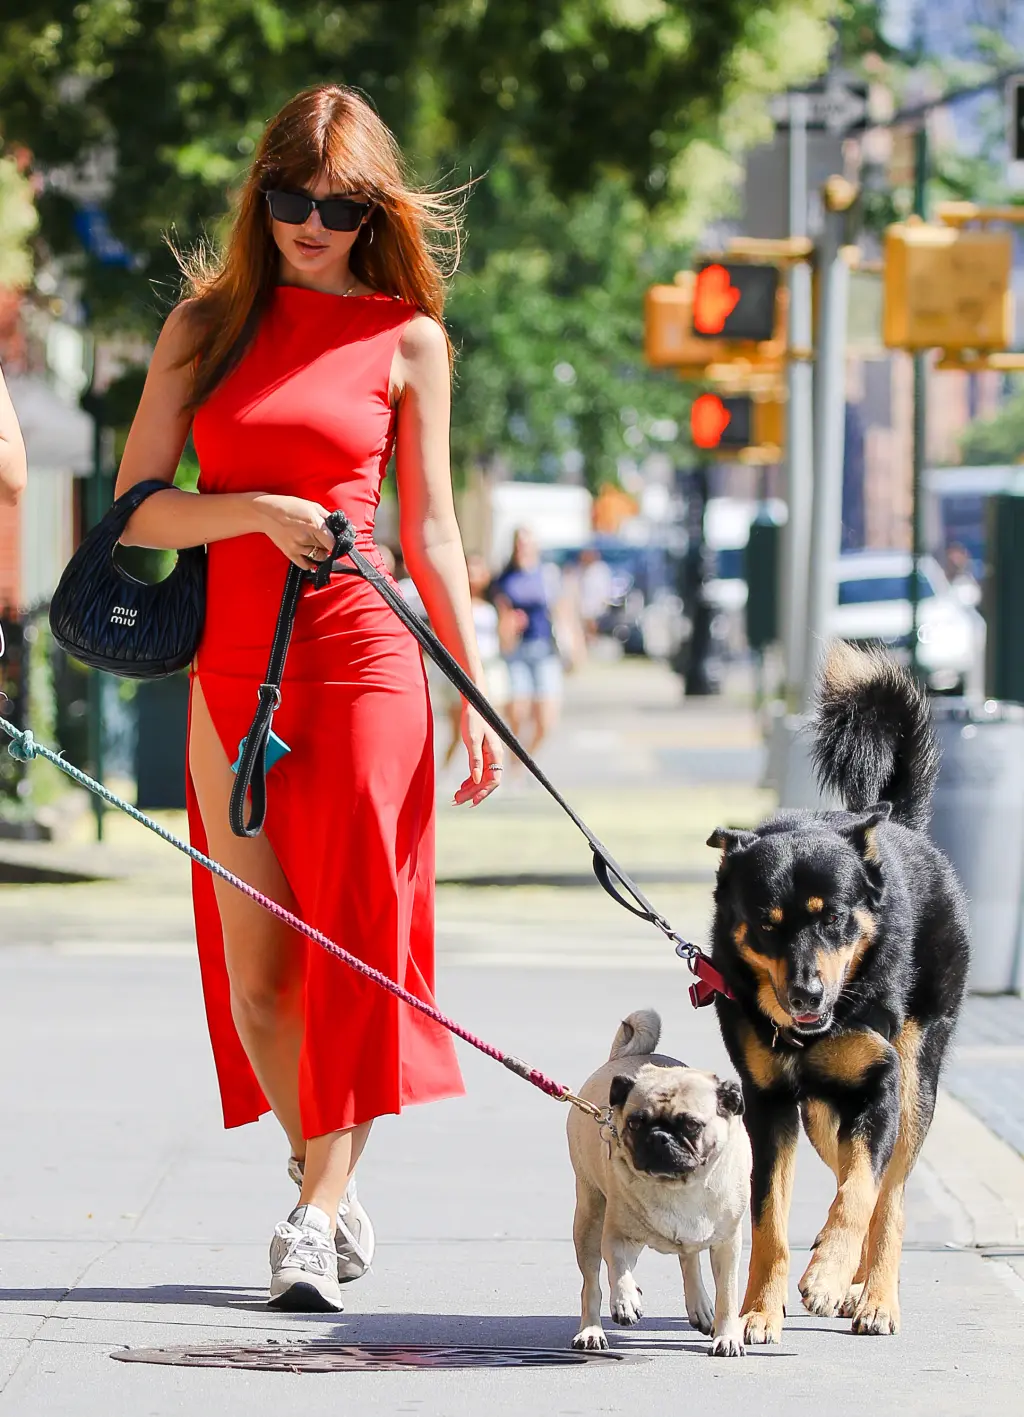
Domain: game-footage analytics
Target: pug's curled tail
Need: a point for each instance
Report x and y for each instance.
(873, 736)
(638, 1033)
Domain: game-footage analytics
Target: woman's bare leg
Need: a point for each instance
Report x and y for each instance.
(266, 961)
(330, 1162)
(543, 720)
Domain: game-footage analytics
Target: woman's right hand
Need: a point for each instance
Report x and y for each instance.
(296, 527)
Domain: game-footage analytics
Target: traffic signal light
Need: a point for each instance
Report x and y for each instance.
(734, 301)
(750, 427)
(721, 423)
(947, 288)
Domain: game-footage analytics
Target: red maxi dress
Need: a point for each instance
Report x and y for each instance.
(350, 809)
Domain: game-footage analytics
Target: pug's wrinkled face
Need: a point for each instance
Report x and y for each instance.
(673, 1121)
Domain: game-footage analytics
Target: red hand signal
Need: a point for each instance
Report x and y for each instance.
(714, 299)
(709, 418)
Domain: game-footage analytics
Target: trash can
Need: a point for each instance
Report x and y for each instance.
(978, 821)
(162, 706)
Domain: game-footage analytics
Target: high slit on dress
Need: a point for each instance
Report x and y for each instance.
(350, 808)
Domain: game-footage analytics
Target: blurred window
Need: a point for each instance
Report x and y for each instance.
(871, 589)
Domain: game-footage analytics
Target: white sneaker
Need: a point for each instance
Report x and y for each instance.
(304, 1264)
(354, 1239)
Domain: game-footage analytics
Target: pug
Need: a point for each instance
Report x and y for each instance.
(671, 1173)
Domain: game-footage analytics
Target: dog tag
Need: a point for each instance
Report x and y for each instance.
(275, 750)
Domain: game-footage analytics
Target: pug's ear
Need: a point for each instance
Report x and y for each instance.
(620, 1089)
(727, 840)
(730, 1099)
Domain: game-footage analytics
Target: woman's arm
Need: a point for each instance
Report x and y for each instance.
(429, 532)
(174, 519)
(13, 466)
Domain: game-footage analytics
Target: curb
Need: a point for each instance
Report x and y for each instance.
(983, 1174)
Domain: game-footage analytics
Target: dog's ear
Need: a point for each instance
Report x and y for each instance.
(862, 833)
(620, 1089)
(728, 839)
(730, 1099)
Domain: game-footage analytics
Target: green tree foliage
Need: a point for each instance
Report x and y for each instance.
(999, 439)
(603, 134)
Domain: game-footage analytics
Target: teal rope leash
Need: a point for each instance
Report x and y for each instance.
(24, 748)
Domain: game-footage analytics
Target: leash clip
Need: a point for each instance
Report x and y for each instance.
(275, 690)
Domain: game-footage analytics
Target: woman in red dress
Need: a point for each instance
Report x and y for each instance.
(313, 351)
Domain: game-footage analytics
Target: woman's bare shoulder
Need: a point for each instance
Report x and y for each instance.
(423, 341)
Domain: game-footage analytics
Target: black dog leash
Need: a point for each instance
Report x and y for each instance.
(251, 773)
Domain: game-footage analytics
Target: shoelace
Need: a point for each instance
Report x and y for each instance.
(307, 1248)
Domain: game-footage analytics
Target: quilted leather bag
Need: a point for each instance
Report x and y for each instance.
(109, 620)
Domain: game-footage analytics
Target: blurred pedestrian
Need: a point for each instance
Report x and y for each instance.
(595, 589)
(523, 599)
(960, 573)
(496, 676)
(13, 465)
(313, 350)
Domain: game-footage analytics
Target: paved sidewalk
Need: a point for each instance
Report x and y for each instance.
(128, 1217)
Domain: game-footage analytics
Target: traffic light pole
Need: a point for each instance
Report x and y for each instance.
(829, 427)
(920, 420)
(799, 459)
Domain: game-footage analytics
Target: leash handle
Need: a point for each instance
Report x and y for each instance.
(251, 775)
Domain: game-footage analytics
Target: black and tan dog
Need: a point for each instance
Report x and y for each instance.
(843, 936)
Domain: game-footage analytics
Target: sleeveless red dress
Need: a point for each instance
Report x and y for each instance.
(350, 809)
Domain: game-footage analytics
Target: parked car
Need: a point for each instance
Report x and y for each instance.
(874, 608)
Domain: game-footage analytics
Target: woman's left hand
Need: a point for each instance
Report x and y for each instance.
(486, 754)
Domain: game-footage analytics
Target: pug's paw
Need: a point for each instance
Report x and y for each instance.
(591, 1338)
(727, 1346)
(702, 1314)
(627, 1305)
(762, 1325)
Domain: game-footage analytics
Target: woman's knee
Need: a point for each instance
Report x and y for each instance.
(265, 1000)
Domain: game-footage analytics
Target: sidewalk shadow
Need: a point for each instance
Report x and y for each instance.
(221, 1296)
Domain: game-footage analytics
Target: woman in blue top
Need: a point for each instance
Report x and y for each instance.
(528, 642)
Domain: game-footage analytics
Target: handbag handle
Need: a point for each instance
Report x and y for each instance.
(118, 515)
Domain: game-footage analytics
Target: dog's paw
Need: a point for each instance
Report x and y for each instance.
(627, 1307)
(727, 1346)
(591, 1338)
(762, 1325)
(823, 1290)
(850, 1303)
(702, 1315)
(877, 1314)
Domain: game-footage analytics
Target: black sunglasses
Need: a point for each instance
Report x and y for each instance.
(336, 213)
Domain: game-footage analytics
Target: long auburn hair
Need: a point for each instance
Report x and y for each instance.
(415, 243)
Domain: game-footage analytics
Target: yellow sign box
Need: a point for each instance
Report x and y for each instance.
(947, 288)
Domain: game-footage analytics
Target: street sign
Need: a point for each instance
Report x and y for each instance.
(735, 301)
(836, 106)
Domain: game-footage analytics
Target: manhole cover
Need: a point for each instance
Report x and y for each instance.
(321, 1357)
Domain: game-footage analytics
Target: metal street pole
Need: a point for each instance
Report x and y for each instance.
(920, 418)
(829, 426)
(799, 459)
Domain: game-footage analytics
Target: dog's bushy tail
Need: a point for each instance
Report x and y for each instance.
(873, 739)
(638, 1033)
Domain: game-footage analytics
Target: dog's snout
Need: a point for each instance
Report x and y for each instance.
(806, 994)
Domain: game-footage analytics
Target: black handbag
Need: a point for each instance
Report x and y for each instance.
(106, 618)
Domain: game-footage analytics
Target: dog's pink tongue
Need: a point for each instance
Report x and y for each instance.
(806, 1018)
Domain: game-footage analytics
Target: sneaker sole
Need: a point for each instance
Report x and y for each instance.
(300, 1298)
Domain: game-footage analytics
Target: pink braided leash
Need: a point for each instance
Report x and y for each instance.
(24, 747)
